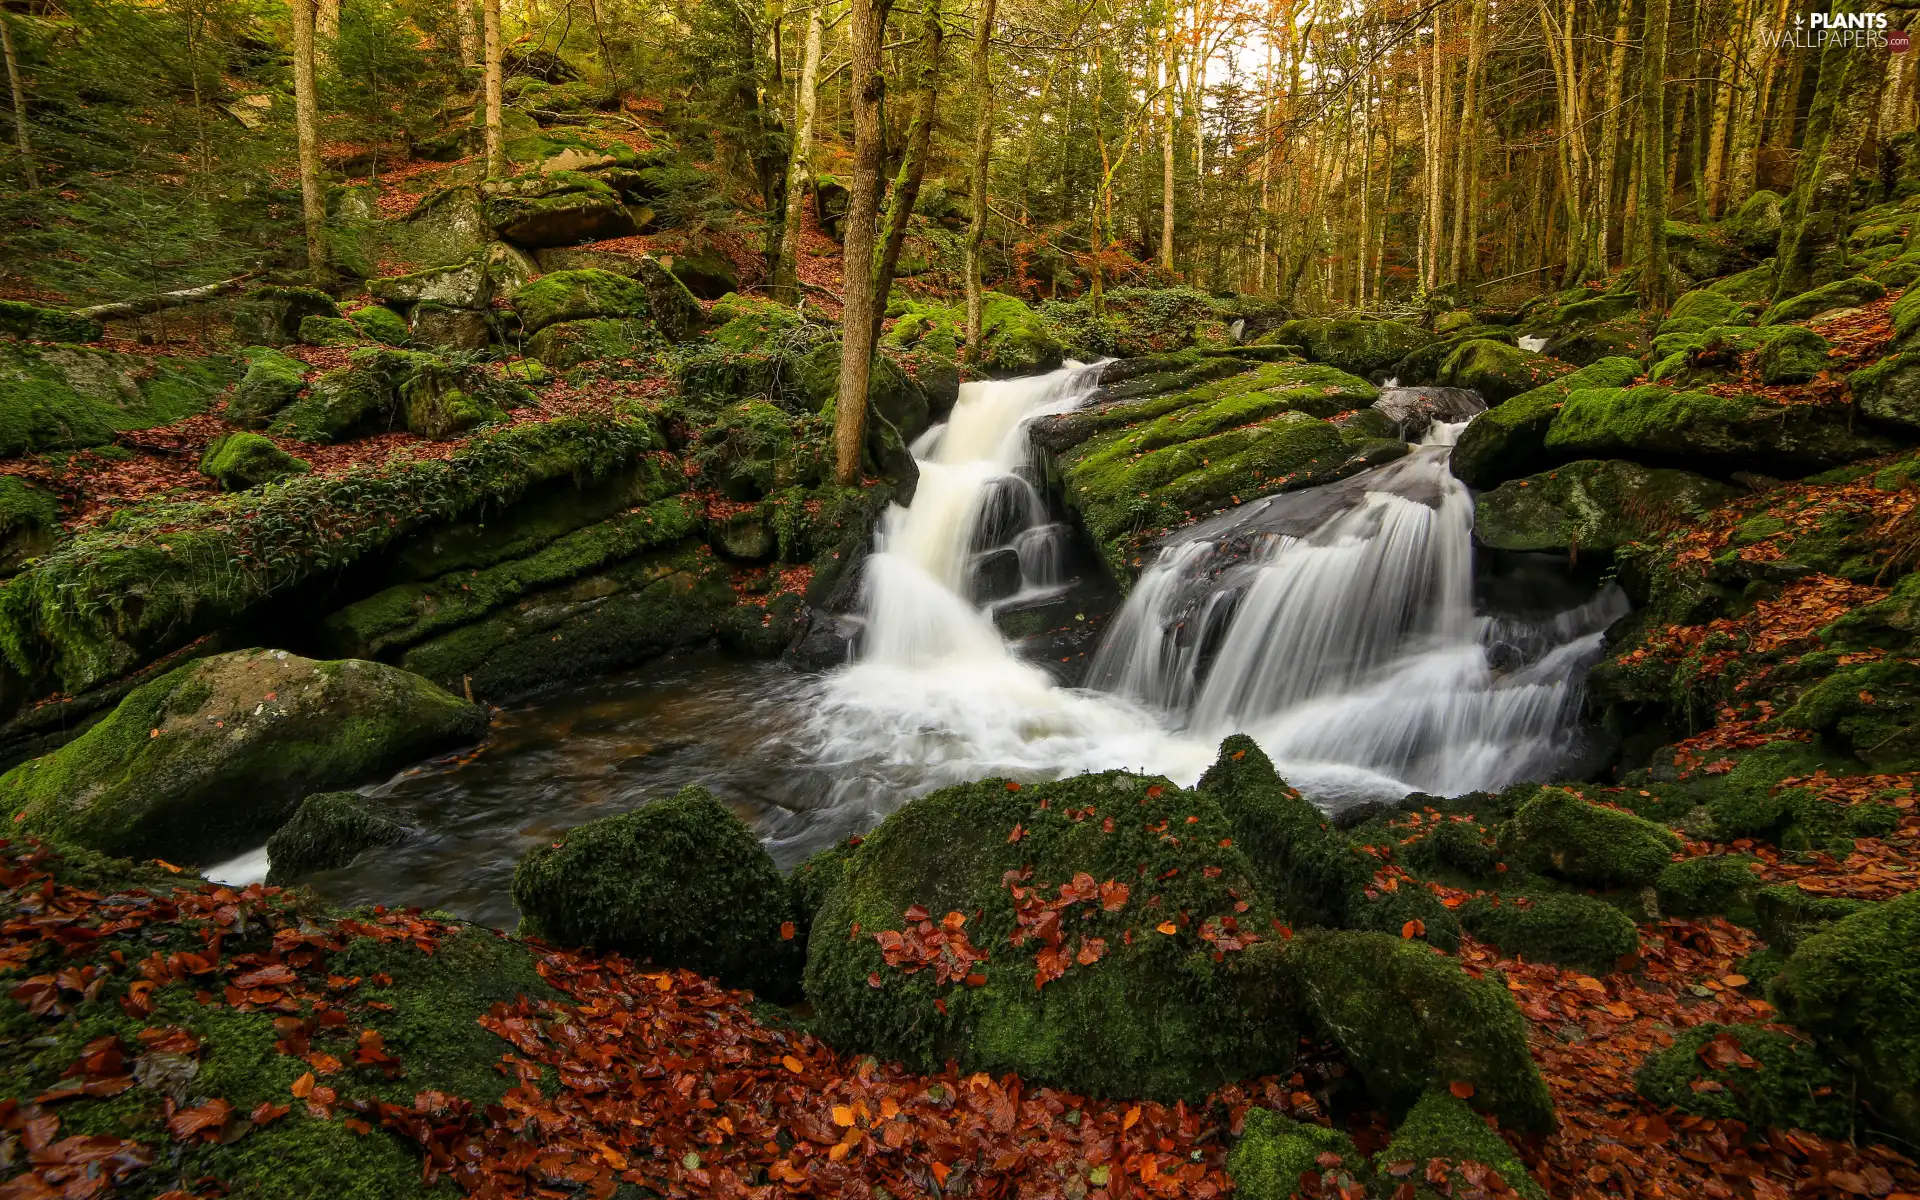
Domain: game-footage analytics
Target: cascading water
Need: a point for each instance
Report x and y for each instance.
(1336, 625)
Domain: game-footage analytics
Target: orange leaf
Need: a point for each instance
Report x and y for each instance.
(303, 1086)
(1131, 1119)
(1414, 928)
(842, 1116)
(1167, 927)
(792, 1064)
(786, 931)
(1461, 1088)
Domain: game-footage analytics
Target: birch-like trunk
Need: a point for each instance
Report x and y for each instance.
(21, 140)
(496, 141)
(786, 270)
(982, 162)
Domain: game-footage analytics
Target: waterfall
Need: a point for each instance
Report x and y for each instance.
(1336, 625)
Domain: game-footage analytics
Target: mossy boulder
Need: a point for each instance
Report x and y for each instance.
(1499, 371)
(1870, 709)
(577, 296)
(67, 397)
(1796, 356)
(1586, 344)
(381, 389)
(602, 339)
(1786, 915)
(328, 830)
(1841, 293)
(680, 881)
(238, 461)
(1595, 506)
(381, 324)
(1275, 1150)
(674, 310)
(272, 381)
(1102, 933)
(707, 272)
(1765, 1078)
(1510, 439)
(1558, 832)
(462, 285)
(34, 323)
(1310, 873)
(329, 331)
(1755, 227)
(1440, 1135)
(29, 522)
(1408, 1019)
(1558, 927)
(1888, 392)
(1706, 306)
(1722, 884)
(563, 208)
(206, 760)
(1358, 346)
(1708, 431)
(440, 327)
(271, 316)
(1014, 340)
(1702, 251)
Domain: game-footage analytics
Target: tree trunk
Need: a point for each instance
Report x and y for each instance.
(913, 164)
(1813, 222)
(496, 141)
(20, 138)
(1714, 186)
(1169, 79)
(1464, 239)
(866, 29)
(469, 33)
(786, 270)
(982, 164)
(1653, 158)
(313, 204)
(326, 31)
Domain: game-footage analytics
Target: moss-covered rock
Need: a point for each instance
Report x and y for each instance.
(1722, 884)
(563, 208)
(329, 331)
(1706, 306)
(707, 272)
(1359, 346)
(1586, 344)
(29, 522)
(1888, 392)
(381, 389)
(461, 285)
(1510, 440)
(568, 344)
(328, 830)
(271, 316)
(1869, 709)
(1275, 1150)
(1014, 340)
(34, 323)
(1408, 1019)
(440, 327)
(1558, 832)
(1442, 1133)
(675, 311)
(1499, 371)
(1594, 506)
(1115, 939)
(1721, 352)
(1786, 916)
(205, 760)
(1309, 872)
(1702, 251)
(238, 461)
(1755, 227)
(1708, 431)
(1841, 293)
(1135, 321)
(680, 881)
(1557, 927)
(1766, 1078)
(70, 397)
(381, 324)
(577, 296)
(1794, 357)
(1455, 845)
(272, 381)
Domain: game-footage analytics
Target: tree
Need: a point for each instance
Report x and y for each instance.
(20, 138)
(1653, 157)
(313, 204)
(496, 141)
(786, 274)
(982, 156)
(866, 30)
(913, 163)
(469, 33)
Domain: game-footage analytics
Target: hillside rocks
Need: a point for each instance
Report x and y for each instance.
(1498, 371)
(1359, 347)
(1593, 506)
(560, 209)
(1713, 432)
(238, 461)
(72, 397)
(203, 761)
(1510, 439)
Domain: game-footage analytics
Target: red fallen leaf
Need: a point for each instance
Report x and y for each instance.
(189, 1122)
(323, 1062)
(976, 980)
(274, 976)
(1017, 833)
(916, 914)
(1113, 896)
(953, 922)
(303, 1086)
(786, 931)
(1012, 786)
(1049, 965)
(358, 1126)
(138, 1002)
(1461, 1088)
(873, 980)
(1153, 793)
(267, 1112)
(1091, 950)
(1414, 928)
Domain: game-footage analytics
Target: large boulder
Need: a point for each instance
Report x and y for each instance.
(1103, 933)
(560, 209)
(1708, 307)
(1755, 228)
(1309, 872)
(1440, 1136)
(1855, 986)
(1765, 1078)
(672, 306)
(380, 390)
(1595, 506)
(463, 285)
(1888, 392)
(1841, 293)
(1359, 346)
(444, 328)
(1499, 371)
(208, 759)
(1560, 927)
(1708, 431)
(1510, 439)
(707, 272)
(22, 320)
(1557, 832)
(681, 882)
(271, 316)
(238, 461)
(577, 296)
(272, 381)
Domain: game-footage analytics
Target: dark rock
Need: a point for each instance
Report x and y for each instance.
(328, 830)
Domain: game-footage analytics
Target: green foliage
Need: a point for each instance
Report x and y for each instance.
(682, 882)
(1763, 1077)
(1558, 927)
(1709, 884)
(1707, 430)
(1786, 916)
(1136, 321)
(578, 295)
(1557, 832)
(1275, 1150)
(327, 830)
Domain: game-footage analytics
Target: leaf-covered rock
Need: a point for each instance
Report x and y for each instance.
(1594, 506)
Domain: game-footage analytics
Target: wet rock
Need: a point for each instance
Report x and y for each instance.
(1594, 506)
(202, 762)
(1708, 431)
(1556, 832)
(825, 640)
(1498, 371)
(329, 830)
(238, 461)
(1510, 439)
(994, 575)
(1412, 409)
(679, 882)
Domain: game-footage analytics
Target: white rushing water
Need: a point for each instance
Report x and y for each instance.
(1336, 625)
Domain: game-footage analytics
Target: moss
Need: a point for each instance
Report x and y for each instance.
(1455, 846)
(1594, 506)
(1136, 321)
(328, 830)
(71, 397)
(576, 296)
(29, 522)
(438, 403)
(1786, 916)
(22, 320)
(1499, 371)
(1153, 1009)
(1722, 884)
(1559, 833)
(237, 461)
(271, 316)
(682, 882)
(1841, 293)
(1570, 928)
(1510, 440)
(1394, 911)
(381, 324)
(1855, 986)
(1709, 431)
(1014, 340)
(1308, 871)
(1870, 709)
(1358, 346)
(1796, 356)
(273, 380)
(563, 208)
(124, 788)
(329, 331)
(1771, 1080)
(1705, 305)
(1755, 226)
(1407, 1018)
(568, 344)
(1441, 1126)
(1275, 1150)
(458, 285)
(815, 878)
(381, 389)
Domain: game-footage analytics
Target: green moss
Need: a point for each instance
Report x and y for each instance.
(272, 381)
(1841, 293)
(328, 830)
(1786, 916)
(1455, 846)
(1136, 321)
(682, 882)
(1499, 371)
(1407, 1018)
(238, 461)
(568, 344)
(271, 316)
(1594, 506)
(1870, 709)
(381, 324)
(1275, 1150)
(1796, 356)
(1152, 1010)
(1721, 884)
(1510, 440)
(70, 397)
(1391, 911)
(1308, 871)
(1443, 1127)
(29, 522)
(22, 320)
(576, 296)
(1707, 306)
(1772, 1080)
(381, 389)
(329, 331)
(1358, 346)
(562, 208)
(1713, 431)
(1755, 227)
(1570, 928)
(1559, 833)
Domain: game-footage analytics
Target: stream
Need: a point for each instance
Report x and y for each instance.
(1347, 627)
